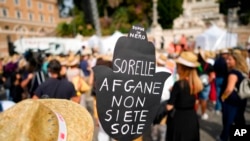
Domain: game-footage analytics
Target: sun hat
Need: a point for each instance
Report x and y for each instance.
(22, 63)
(63, 60)
(15, 58)
(86, 51)
(161, 59)
(207, 55)
(105, 57)
(46, 120)
(224, 51)
(73, 60)
(188, 59)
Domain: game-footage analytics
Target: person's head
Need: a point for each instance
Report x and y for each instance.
(187, 64)
(235, 60)
(105, 60)
(54, 67)
(224, 55)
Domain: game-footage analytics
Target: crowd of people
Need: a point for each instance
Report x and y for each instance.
(197, 78)
(206, 78)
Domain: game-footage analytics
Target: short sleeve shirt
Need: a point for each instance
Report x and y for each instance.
(56, 88)
(234, 98)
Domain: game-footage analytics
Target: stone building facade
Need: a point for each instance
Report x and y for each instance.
(198, 13)
(26, 18)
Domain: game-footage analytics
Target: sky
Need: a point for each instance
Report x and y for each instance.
(65, 11)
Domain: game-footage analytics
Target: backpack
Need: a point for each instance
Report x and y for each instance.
(80, 84)
(244, 88)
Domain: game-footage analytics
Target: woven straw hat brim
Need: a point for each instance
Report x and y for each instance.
(73, 62)
(161, 59)
(187, 63)
(188, 59)
(79, 122)
(20, 121)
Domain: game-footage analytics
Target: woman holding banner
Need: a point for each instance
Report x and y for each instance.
(182, 122)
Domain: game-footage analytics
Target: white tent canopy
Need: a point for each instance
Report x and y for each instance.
(108, 44)
(52, 45)
(93, 41)
(215, 38)
(56, 45)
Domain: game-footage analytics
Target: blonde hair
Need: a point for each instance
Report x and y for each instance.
(240, 62)
(193, 79)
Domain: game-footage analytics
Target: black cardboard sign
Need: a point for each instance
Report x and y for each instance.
(129, 94)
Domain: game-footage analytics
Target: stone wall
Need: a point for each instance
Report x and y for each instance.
(243, 34)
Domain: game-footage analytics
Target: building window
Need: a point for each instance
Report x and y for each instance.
(51, 19)
(40, 5)
(4, 12)
(30, 16)
(29, 4)
(189, 1)
(16, 2)
(50, 7)
(32, 29)
(18, 14)
(6, 27)
(41, 18)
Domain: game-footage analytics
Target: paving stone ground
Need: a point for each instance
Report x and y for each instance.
(212, 127)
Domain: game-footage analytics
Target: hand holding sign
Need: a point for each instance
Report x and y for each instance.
(129, 94)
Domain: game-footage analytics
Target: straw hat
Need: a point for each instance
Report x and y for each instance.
(63, 60)
(6, 60)
(206, 55)
(224, 51)
(161, 59)
(86, 51)
(188, 59)
(105, 57)
(22, 63)
(46, 120)
(15, 58)
(73, 60)
(210, 54)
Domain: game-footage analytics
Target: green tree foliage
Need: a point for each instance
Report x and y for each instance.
(85, 7)
(63, 29)
(120, 19)
(168, 10)
(124, 13)
(244, 10)
(120, 15)
(77, 25)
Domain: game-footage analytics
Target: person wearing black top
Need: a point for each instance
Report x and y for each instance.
(55, 86)
(207, 69)
(233, 107)
(220, 69)
(182, 120)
